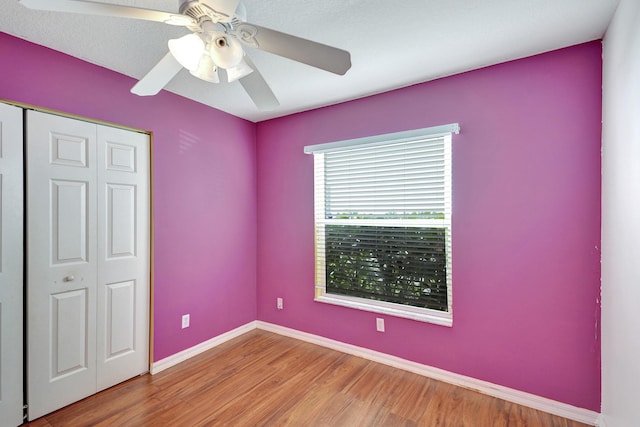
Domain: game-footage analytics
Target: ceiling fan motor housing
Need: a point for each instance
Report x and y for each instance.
(198, 9)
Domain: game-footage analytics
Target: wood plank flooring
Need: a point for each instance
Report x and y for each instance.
(263, 379)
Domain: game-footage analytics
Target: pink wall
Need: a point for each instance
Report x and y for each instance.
(205, 243)
(526, 223)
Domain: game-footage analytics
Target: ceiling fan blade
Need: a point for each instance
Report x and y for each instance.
(104, 9)
(258, 89)
(317, 55)
(158, 77)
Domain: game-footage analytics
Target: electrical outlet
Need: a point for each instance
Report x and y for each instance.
(379, 324)
(279, 303)
(185, 321)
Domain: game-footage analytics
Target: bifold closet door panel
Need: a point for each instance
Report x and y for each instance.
(123, 253)
(11, 265)
(62, 261)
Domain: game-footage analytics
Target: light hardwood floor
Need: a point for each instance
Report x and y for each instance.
(263, 379)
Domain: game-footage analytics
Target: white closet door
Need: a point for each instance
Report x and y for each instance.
(88, 259)
(11, 253)
(123, 253)
(62, 261)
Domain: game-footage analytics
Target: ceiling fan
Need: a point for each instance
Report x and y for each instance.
(215, 45)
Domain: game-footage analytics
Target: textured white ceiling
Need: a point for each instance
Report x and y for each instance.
(392, 44)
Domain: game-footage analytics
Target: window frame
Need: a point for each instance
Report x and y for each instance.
(444, 318)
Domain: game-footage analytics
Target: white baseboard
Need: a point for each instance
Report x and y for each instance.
(516, 396)
(601, 422)
(174, 359)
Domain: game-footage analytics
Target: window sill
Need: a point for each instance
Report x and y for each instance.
(390, 309)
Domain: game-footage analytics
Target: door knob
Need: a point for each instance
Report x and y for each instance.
(69, 278)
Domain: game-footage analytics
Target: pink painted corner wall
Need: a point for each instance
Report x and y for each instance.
(204, 187)
(526, 223)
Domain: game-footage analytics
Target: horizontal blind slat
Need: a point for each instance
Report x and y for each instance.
(368, 168)
(425, 183)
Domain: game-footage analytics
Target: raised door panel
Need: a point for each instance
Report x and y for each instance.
(121, 157)
(69, 221)
(69, 150)
(11, 264)
(68, 333)
(62, 261)
(120, 319)
(121, 222)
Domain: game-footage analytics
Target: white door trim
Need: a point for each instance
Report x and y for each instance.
(11, 265)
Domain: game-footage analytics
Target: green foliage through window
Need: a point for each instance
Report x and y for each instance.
(403, 265)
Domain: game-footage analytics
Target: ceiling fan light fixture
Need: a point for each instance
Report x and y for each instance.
(206, 70)
(239, 71)
(187, 50)
(225, 51)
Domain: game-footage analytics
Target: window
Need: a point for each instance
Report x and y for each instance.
(383, 223)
